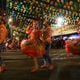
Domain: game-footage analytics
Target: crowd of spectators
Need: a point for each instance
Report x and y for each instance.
(58, 43)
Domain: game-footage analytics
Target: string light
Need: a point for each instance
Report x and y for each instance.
(23, 10)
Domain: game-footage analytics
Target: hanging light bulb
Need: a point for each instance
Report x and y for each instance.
(70, 2)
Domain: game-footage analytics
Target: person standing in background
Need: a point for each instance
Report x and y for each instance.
(47, 39)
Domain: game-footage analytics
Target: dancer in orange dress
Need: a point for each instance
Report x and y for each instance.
(33, 46)
(3, 37)
(72, 46)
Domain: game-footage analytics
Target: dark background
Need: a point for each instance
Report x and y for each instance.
(3, 4)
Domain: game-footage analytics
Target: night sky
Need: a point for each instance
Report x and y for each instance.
(3, 4)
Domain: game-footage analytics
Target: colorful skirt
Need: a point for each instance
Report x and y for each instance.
(73, 47)
(32, 48)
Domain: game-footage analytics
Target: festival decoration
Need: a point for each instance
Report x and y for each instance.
(38, 8)
(23, 11)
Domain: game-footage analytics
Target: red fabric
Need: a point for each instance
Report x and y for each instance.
(3, 33)
(67, 48)
(33, 47)
(31, 50)
(29, 31)
(71, 48)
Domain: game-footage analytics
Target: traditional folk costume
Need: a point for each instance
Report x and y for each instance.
(33, 46)
(73, 46)
(3, 37)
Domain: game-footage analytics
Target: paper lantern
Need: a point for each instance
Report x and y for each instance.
(72, 8)
(64, 6)
(78, 0)
(70, 2)
(58, 0)
(56, 4)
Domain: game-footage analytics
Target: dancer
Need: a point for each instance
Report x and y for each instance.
(47, 38)
(3, 37)
(34, 47)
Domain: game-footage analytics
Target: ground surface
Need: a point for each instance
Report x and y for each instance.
(19, 66)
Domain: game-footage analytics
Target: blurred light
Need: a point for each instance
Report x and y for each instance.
(65, 37)
(17, 38)
(10, 20)
(66, 23)
(74, 37)
(60, 21)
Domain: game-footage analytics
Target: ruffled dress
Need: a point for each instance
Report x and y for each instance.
(33, 46)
